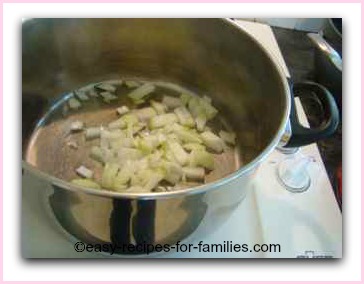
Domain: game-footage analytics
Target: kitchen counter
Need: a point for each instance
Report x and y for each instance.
(298, 53)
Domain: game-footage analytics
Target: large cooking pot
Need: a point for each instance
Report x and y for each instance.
(207, 56)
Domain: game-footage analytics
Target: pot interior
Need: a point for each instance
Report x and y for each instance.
(204, 56)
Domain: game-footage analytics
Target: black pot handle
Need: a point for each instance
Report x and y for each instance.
(302, 135)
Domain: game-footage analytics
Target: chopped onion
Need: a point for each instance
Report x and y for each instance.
(125, 154)
(109, 175)
(122, 178)
(207, 99)
(185, 98)
(212, 141)
(92, 92)
(209, 110)
(108, 97)
(97, 154)
(132, 83)
(122, 110)
(77, 125)
(159, 107)
(92, 133)
(184, 116)
(171, 102)
(194, 173)
(74, 103)
(162, 141)
(173, 172)
(141, 92)
(188, 136)
(179, 153)
(115, 82)
(81, 95)
(152, 180)
(144, 114)
(106, 87)
(201, 122)
(228, 137)
(84, 172)
(202, 159)
(72, 144)
(123, 121)
(194, 146)
(162, 120)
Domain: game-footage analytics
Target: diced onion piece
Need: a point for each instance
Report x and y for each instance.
(185, 98)
(108, 97)
(202, 159)
(92, 92)
(81, 95)
(72, 144)
(74, 103)
(139, 102)
(184, 116)
(123, 121)
(86, 183)
(171, 102)
(148, 144)
(132, 83)
(112, 134)
(194, 146)
(109, 175)
(152, 180)
(212, 141)
(122, 143)
(125, 154)
(187, 135)
(141, 92)
(97, 154)
(179, 153)
(194, 173)
(201, 122)
(159, 107)
(84, 172)
(173, 172)
(106, 87)
(77, 125)
(155, 159)
(122, 178)
(228, 137)
(119, 123)
(209, 110)
(114, 82)
(92, 133)
(194, 107)
(144, 114)
(162, 120)
(122, 110)
(207, 99)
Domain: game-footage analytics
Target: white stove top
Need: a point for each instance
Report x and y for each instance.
(307, 224)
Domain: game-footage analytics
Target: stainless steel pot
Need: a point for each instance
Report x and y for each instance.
(206, 56)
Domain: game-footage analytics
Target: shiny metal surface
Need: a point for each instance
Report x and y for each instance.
(206, 56)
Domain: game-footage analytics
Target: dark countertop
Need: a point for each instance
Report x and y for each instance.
(298, 52)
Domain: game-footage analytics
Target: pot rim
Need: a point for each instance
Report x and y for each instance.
(197, 189)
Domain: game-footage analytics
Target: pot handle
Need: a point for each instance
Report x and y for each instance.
(302, 135)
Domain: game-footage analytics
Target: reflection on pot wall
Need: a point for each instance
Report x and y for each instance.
(308, 24)
(98, 220)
